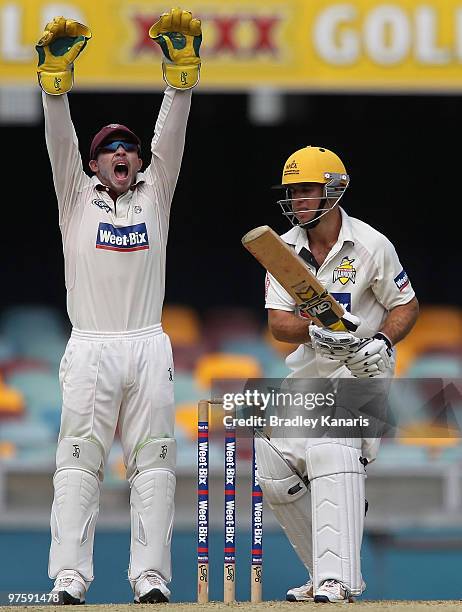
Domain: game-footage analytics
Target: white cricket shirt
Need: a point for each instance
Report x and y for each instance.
(363, 273)
(115, 254)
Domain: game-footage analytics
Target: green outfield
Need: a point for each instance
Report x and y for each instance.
(383, 606)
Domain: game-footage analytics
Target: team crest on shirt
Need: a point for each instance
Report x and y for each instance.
(345, 271)
(130, 238)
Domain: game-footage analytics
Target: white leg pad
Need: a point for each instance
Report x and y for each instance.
(337, 481)
(152, 509)
(285, 493)
(75, 507)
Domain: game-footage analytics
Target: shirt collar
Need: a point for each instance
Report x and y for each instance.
(346, 231)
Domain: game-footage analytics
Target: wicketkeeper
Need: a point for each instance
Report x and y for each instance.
(117, 370)
(315, 485)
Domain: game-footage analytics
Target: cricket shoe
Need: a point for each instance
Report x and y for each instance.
(151, 588)
(333, 591)
(71, 588)
(301, 593)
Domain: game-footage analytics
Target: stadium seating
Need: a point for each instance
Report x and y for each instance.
(185, 356)
(186, 389)
(21, 324)
(254, 347)
(11, 401)
(7, 351)
(219, 366)
(221, 324)
(226, 343)
(42, 394)
(447, 320)
(181, 323)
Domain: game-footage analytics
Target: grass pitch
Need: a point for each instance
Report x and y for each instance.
(273, 606)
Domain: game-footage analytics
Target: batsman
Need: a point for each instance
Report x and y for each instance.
(117, 370)
(316, 485)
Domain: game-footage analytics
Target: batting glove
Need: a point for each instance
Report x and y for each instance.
(335, 345)
(372, 358)
(179, 35)
(61, 43)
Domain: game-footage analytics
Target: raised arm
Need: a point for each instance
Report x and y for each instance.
(59, 46)
(179, 35)
(169, 137)
(63, 150)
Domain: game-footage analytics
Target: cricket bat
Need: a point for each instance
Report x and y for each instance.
(294, 275)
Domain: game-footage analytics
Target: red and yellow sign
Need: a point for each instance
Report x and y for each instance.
(412, 45)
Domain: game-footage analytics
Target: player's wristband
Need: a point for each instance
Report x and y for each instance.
(386, 339)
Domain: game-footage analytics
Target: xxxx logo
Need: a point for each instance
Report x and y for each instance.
(240, 34)
(345, 271)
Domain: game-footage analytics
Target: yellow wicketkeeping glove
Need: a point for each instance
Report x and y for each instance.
(61, 42)
(179, 36)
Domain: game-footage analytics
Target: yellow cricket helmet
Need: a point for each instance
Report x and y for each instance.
(312, 165)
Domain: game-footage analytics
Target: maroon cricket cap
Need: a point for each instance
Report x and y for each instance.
(111, 132)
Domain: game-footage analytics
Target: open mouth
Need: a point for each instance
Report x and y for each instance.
(121, 171)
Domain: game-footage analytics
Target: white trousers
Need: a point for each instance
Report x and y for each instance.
(109, 381)
(118, 380)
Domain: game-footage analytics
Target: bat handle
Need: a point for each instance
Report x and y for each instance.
(350, 322)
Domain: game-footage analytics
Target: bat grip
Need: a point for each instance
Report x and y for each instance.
(349, 325)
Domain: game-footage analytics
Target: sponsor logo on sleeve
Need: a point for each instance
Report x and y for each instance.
(131, 238)
(402, 280)
(345, 271)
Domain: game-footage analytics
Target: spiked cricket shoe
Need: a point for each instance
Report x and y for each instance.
(151, 588)
(71, 588)
(333, 591)
(301, 593)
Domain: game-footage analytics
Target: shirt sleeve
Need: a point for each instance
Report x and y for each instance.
(63, 150)
(276, 297)
(168, 144)
(391, 285)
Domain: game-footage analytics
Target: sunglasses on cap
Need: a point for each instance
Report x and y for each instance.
(113, 146)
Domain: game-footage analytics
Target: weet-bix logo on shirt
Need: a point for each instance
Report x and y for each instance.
(131, 238)
(402, 280)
